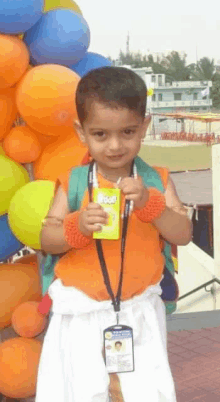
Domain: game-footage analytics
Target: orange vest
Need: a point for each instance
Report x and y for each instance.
(143, 264)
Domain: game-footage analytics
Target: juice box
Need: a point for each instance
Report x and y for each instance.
(110, 200)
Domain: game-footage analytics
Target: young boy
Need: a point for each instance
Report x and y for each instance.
(111, 104)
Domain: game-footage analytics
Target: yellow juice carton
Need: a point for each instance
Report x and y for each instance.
(109, 199)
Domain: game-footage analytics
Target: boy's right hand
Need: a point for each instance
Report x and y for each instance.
(92, 219)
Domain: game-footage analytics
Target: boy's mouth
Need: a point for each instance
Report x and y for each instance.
(114, 157)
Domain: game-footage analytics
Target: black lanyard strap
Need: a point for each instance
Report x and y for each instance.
(115, 299)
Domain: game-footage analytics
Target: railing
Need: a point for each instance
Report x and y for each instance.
(181, 103)
(200, 287)
(207, 138)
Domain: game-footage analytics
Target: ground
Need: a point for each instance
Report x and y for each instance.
(177, 158)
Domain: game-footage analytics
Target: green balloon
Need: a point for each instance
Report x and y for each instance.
(27, 210)
(12, 177)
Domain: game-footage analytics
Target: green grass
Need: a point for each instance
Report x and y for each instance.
(190, 157)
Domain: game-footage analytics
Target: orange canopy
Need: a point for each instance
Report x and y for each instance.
(206, 117)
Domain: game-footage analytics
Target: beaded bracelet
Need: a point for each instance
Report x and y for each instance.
(154, 207)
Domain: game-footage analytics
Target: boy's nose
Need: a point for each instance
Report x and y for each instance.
(115, 144)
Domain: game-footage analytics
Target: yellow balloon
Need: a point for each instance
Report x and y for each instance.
(27, 210)
(150, 92)
(52, 4)
(12, 177)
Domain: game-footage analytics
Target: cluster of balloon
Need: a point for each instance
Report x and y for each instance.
(43, 54)
(19, 357)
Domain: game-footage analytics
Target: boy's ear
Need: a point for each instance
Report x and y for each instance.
(79, 131)
(146, 123)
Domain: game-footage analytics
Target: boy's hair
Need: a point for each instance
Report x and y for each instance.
(117, 87)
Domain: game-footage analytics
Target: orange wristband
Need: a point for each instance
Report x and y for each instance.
(72, 234)
(154, 207)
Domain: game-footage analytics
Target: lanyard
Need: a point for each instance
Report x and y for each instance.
(92, 180)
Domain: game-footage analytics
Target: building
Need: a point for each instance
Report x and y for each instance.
(185, 96)
(182, 95)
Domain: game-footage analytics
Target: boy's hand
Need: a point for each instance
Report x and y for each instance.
(91, 219)
(134, 190)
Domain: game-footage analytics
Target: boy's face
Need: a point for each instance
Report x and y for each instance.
(113, 136)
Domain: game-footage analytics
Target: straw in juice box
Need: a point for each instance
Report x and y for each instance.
(109, 199)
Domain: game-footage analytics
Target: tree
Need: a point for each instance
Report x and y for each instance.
(176, 68)
(158, 66)
(215, 91)
(204, 70)
(134, 60)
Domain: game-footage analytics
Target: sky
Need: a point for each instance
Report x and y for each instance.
(190, 26)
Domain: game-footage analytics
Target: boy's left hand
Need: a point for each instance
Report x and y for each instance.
(134, 190)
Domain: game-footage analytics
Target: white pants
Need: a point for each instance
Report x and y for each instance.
(72, 368)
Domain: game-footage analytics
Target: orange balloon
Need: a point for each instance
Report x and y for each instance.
(22, 145)
(18, 283)
(45, 99)
(27, 321)
(30, 259)
(46, 139)
(59, 157)
(8, 111)
(14, 60)
(19, 360)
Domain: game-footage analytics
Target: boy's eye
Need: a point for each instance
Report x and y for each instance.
(129, 131)
(99, 134)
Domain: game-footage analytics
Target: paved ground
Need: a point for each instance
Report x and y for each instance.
(194, 357)
(195, 363)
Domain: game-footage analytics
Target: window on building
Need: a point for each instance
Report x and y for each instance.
(153, 98)
(160, 80)
(177, 96)
(160, 97)
(195, 96)
(153, 78)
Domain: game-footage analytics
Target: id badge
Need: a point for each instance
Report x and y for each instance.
(119, 349)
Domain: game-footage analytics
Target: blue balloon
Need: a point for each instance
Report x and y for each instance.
(89, 62)
(17, 16)
(61, 36)
(9, 244)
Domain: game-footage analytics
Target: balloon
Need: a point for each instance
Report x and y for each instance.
(14, 60)
(9, 244)
(44, 140)
(89, 62)
(27, 321)
(28, 208)
(22, 145)
(60, 36)
(45, 99)
(2, 152)
(59, 157)
(18, 283)
(13, 176)
(52, 4)
(16, 16)
(30, 259)
(8, 110)
(19, 360)
(150, 92)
